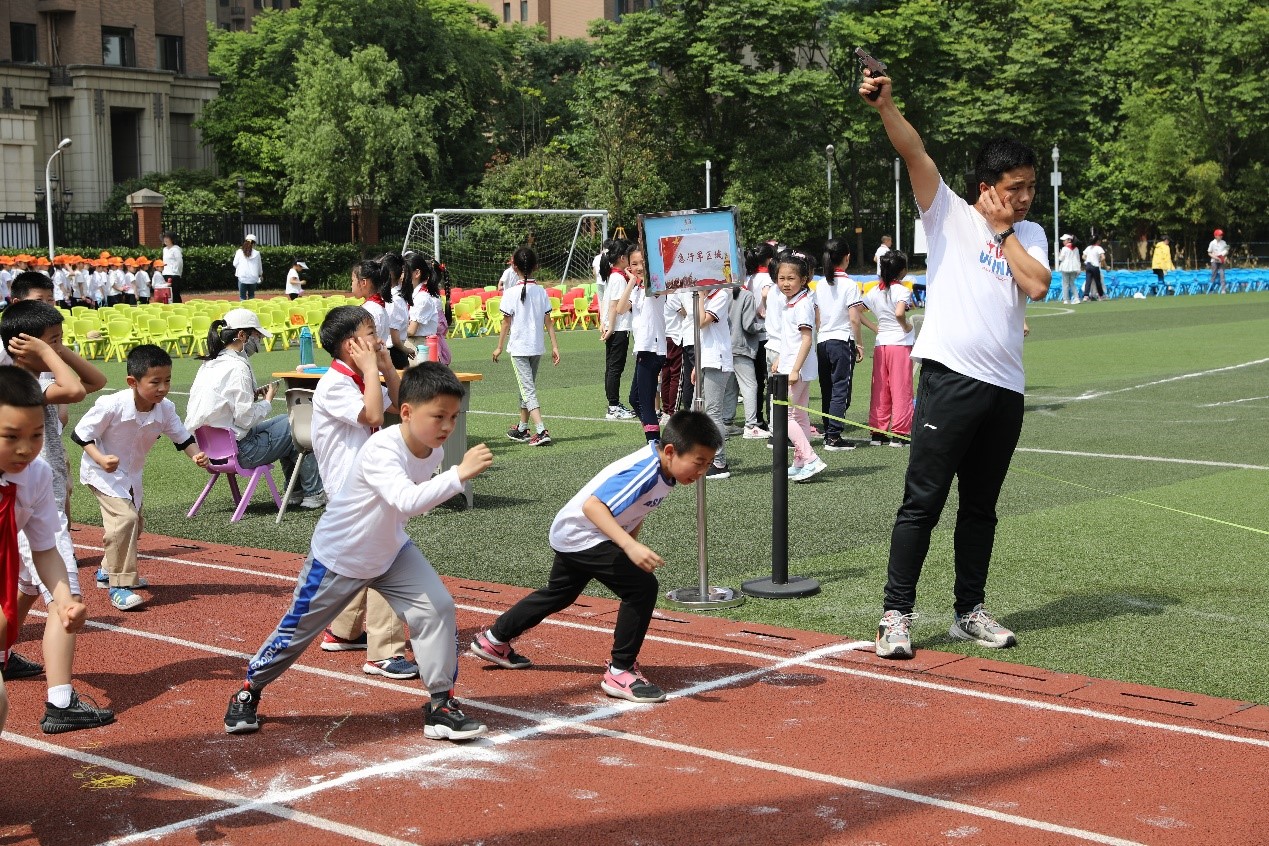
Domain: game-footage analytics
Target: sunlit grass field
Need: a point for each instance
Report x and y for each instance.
(1134, 525)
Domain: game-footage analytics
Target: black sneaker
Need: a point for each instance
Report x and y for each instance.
(241, 716)
(879, 439)
(447, 722)
(718, 471)
(834, 443)
(75, 716)
(515, 433)
(18, 667)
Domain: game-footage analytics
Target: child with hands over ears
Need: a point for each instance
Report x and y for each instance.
(595, 536)
(791, 331)
(526, 312)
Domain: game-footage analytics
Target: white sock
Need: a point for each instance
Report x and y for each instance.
(489, 637)
(60, 696)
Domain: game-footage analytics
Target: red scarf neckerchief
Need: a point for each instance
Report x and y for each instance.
(375, 298)
(8, 564)
(339, 367)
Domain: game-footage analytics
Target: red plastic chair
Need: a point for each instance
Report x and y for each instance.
(221, 448)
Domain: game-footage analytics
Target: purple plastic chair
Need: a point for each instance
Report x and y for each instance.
(221, 448)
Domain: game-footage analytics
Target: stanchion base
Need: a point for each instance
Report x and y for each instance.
(796, 586)
(690, 599)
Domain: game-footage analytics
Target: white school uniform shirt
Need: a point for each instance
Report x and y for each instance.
(612, 293)
(61, 283)
(681, 302)
(423, 312)
(648, 323)
(100, 285)
(337, 436)
(973, 310)
(715, 352)
(398, 314)
(293, 281)
(672, 318)
(527, 336)
(173, 261)
(758, 284)
(379, 312)
(224, 395)
(876, 257)
(630, 488)
(34, 510)
(882, 304)
(835, 302)
(363, 528)
(248, 268)
(118, 282)
(80, 283)
(159, 281)
(509, 279)
(785, 319)
(119, 429)
(5, 278)
(142, 282)
(1093, 254)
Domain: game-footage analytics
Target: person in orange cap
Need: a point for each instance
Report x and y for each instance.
(141, 280)
(61, 281)
(119, 288)
(6, 276)
(159, 282)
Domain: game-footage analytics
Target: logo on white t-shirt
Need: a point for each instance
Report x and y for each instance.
(992, 259)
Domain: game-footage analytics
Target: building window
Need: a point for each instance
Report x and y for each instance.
(224, 3)
(506, 12)
(22, 37)
(117, 48)
(171, 50)
(524, 10)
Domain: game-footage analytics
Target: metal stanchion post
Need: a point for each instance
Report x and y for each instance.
(780, 585)
(703, 597)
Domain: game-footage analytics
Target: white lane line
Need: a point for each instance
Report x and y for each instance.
(1076, 453)
(509, 415)
(1096, 394)
(1232, 402)
(712, 647)
(240, 803)
(544, 723)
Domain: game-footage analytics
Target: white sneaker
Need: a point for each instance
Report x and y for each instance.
(983, 629)
(754, 433)
(794, 469)
(814, 468)
(894, 639)
(315, 501)
(618, 412)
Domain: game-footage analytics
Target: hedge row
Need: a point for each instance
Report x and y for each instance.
(211, 268)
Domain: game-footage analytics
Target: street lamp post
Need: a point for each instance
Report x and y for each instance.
(828, 171)
(48, 192)
(242, 208)
(1056, 179)
(708, 166)
(898, 235)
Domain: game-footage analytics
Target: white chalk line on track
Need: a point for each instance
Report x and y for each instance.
(1157, 458)
(543, 723)
(1232, 402)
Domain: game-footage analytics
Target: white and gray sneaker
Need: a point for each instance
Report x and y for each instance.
(619, 412)
(982, 629)
(893, 638)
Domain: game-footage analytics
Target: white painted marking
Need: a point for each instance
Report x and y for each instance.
(1096, 394)
(1051, 311)
(1231, 464)
(1232, 402)
(509, 415)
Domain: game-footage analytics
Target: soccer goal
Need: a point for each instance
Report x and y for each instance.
(474, 244)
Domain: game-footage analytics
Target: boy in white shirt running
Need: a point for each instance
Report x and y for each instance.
(360, 542)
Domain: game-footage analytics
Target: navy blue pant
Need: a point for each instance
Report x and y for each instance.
(837, 372)
(643, 392)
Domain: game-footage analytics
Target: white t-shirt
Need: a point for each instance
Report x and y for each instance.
(716, 337)
(337, 435)
(60, 283)
(835, 302)
(363, 527)
(423, 312)
(509, 278)
(1218, 248)
(672, 318)
(681, 302)
(612, 293)
(293, 285)
(159, 281)
(648, 324)
(785, 320)
(974, 310)
(173, 260)
(876, 257)
(142, 283)
(630, 488)
(398, 313)
(1093, 255)
(527, 335)
(882, 304)
(119, 429)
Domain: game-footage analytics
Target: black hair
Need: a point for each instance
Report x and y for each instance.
(687, 430)
(1096, 239)
(340, 324)
(429, 276)
(526, 261)
(618, 249)
(751, 262)
(836, 251)
(27, 317)
(144, 358)
(219, 336)
(764, 253)
(377, 273)
(798, 260)
(171, 236)
(997, 156)
(399, 269)
(427, 381)
(394, 265)
(893, 265)
(27, 281)
(19, 389)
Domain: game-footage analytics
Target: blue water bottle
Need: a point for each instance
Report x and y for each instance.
(306, 346)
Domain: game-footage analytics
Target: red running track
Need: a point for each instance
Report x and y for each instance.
(770, 736)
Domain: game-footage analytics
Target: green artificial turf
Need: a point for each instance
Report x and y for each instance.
(1144, 591)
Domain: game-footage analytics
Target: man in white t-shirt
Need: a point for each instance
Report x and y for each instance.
(1218, 254)
(1094, 261)
(887, 244)
(985, 261)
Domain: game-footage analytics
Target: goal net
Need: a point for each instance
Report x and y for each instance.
(474, 244)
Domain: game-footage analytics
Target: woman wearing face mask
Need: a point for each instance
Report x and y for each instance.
(224, 395)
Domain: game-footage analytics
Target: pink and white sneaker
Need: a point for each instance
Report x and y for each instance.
(631, 685)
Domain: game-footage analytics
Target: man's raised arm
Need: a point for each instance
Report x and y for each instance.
(907, 143)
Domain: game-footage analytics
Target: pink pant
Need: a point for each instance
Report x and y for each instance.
(891, 408)
(800, 423)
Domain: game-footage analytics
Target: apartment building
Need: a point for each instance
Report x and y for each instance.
(125, 80)
(564, 18)
(238, 14)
